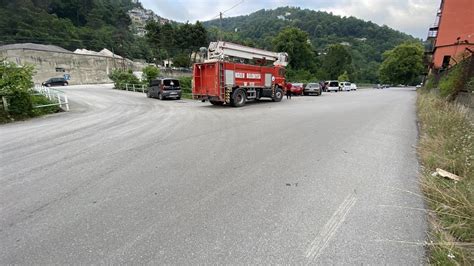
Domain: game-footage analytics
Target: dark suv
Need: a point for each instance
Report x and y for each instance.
(164, 88)
(55, 82)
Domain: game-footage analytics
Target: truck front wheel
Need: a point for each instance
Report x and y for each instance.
(238, 98)
(278, 95)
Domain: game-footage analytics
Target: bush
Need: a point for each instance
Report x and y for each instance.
(430, 82)
(150, 73)
(14, 78)
(20, 103)
(452, 82)
(42, 100)
(185, 83)
(16, 86)
(122, 77)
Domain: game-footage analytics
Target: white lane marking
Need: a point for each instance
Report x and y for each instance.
(330, 228)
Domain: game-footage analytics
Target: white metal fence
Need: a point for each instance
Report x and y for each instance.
(57, 97)
(131, 87)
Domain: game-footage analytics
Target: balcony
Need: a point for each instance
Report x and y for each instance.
(429, 47)
(432, 33)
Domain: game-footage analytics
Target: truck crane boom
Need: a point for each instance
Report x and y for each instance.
(220, 50)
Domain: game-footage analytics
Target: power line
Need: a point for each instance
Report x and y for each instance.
(223, 12)
(236, 5)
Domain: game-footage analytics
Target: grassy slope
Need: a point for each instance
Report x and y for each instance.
(447, 142)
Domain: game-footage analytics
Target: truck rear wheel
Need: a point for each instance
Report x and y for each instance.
(238, 98)
(278, 95)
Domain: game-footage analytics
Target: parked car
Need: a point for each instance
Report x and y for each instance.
(378, 86)
(296, 88)
(345, 86)
(312, 88)
(419, 86)
(164, 88)
(55, 82)
(353, 87)
(333, 85)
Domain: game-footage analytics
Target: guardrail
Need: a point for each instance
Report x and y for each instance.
(131, 87)
(53, 95)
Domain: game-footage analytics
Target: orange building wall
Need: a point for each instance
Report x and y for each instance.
(457, 20)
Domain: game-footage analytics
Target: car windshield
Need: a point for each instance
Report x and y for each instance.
(171, 82)
(313, 85)
(333, 84)
(297, 84)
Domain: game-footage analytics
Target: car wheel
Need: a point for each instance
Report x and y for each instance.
(179, 98)
(65, 84)
(238, 98)
(48, 85)
(148, 95)
(278, 95)
(160, 96)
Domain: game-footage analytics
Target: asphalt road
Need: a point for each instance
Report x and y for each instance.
(126, 179)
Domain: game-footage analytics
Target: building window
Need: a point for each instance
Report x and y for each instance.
(446, 60)
(60, 69)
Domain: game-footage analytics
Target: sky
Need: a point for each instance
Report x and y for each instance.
(410, 16)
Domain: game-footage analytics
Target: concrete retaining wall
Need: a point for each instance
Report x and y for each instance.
(82, 69)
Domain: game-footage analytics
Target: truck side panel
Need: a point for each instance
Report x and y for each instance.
(206, 80)
(210, 79)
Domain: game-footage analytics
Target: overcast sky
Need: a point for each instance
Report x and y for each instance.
(410, 16)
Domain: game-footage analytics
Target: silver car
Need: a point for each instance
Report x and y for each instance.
(312, 89)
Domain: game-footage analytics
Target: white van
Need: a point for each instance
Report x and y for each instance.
(333, 85)
(345, 86)
(353, 86)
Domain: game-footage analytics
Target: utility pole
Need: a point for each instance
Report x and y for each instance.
(222, 13)
(220, 33)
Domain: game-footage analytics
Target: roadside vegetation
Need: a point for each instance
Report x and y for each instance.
(447, 142)
(17, 94)
(402, 64)
(123, 78)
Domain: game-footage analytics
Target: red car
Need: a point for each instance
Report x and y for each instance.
(297, 88)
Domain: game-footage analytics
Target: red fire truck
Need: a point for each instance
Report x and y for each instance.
(226, 79)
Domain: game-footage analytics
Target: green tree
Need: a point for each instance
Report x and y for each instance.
(298, 46)
(182, 60)
(343, 77)
(337, 61)
(403, 64)
(168, 39)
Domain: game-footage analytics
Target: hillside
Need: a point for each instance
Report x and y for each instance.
(366, 41)
(72, 24)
